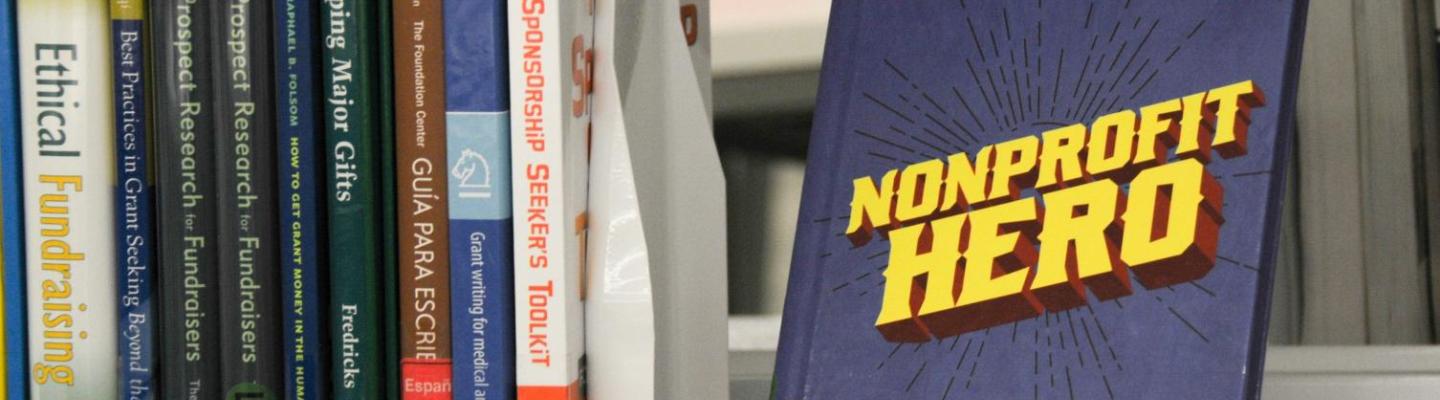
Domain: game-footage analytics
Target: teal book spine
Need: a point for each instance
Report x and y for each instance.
(352, 75)
(390, 236)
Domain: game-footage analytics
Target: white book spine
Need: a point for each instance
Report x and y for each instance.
(68, 150)
(550, 75)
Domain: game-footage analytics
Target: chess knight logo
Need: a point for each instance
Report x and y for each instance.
(472, 170)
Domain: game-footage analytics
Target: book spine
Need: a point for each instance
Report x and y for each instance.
(549, 141)
(69, 160)
(477, 122)
(302, 233)
(250, 348)
(351, 74)
(134, 227)
(184, 127)
(12, 232)
(389, 232)
(423, 228)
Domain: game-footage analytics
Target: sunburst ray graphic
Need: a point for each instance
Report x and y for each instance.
(1016, 79)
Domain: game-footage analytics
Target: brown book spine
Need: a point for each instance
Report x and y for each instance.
(423, 217)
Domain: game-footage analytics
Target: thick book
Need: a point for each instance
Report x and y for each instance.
(12, 234)
(422, 219)
(184, 139)
(68, 149)
(249, 266)
(134, 202)
(550, 66)
(1048, 200)
(351, 73)
(477, 128)
(299, 165)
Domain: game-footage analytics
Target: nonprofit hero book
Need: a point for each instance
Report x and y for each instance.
(1042, 199)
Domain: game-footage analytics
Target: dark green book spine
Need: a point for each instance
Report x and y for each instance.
(184, 129)
(354, 128)
(388, 181)
(250, 318)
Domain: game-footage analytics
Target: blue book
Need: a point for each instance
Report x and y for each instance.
(302, 213)
(1047, 199)
(477, 120)
(12, 232)
(134, 204)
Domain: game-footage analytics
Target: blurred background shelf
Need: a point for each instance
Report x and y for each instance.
(767, 69)
(759, 37)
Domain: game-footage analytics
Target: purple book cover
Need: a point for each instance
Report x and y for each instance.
(1042, 199)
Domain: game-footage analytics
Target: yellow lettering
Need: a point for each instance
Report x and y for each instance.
(998, 257)
(966, 181)
(1158, 131)
(921, 275)
(1231, 105)
(1172, 222)
(1078, 248)
(871, 207)
(61, 181)
(1112, 140)
(1060, 159)
(1194, 140)
(1014, 167)
(919, 191)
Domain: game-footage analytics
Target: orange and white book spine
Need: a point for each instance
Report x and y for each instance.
(550, 84)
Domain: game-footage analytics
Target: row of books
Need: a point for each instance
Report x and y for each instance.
(311, 199)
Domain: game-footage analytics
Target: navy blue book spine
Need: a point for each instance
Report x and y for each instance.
(478, 158)
(301, 203)
(11, 230)
(134, 205)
